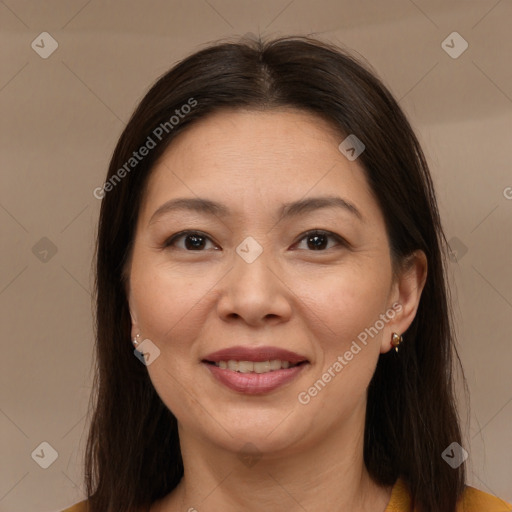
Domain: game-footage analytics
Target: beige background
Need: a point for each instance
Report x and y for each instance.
(61, 117)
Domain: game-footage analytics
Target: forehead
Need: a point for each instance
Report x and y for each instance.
(257, 156)
(249, 136)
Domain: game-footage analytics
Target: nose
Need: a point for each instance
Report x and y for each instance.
(255, 293)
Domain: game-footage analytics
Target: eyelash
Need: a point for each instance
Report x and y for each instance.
(183, 234)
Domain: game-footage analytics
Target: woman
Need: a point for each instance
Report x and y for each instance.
(270, 250)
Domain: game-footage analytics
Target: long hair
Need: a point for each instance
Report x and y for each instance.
(133, 455)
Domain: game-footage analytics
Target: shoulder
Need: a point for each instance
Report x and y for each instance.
(78, 507)
(474, 500)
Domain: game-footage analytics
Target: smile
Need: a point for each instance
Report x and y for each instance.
(254, 370)
(255, 366)
(254, 378)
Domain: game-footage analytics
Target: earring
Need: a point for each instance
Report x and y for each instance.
(136, 340)
(396, 340)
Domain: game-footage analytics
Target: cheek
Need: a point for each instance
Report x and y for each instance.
(166, 299)
(344, 303)
(343, 312)
(169, 309)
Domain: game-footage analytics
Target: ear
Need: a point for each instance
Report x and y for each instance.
(405, 296)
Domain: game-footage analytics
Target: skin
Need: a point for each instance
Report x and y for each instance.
(190, 303)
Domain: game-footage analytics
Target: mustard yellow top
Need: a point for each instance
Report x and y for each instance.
(472, 500)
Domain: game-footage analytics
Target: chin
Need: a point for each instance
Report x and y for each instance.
(270, 434)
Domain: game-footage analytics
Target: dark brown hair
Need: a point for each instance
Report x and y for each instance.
(133, 454)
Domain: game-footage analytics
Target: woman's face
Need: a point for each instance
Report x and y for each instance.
(248, 275)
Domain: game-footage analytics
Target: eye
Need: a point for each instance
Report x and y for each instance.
(316, 239)
(197, 241)
(194, 240)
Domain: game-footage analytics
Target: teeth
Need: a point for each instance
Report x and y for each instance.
(245, 366)
(233, 365)
(275, 364)
(256, 367)
(262, 367)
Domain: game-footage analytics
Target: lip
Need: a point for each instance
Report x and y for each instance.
(255, 354)
(254, 383)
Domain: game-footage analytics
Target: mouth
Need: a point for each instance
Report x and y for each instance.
(254, 370)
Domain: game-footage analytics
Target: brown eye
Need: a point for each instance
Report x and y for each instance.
(193, 241)
(318, 239)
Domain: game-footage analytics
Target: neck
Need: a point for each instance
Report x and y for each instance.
(327, 475)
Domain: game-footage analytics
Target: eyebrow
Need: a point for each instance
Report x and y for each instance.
(288, 210)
